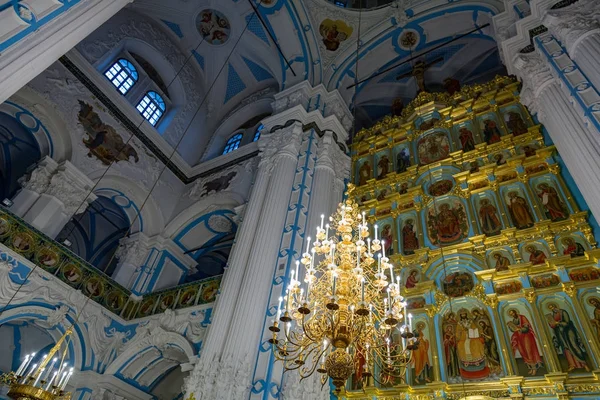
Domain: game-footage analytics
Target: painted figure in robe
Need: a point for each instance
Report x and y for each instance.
(502, 262)
(567, 338)
(410, 243)
(519, 211)
(595, 302)
(488, 214)
(572, 248)
(450, 349)
(364, 173)
(466, 139)
(470, 347)
(515, 124)
(402, 161)
(524, 341)
(420, 355)
(412, 279)
(386, 234)
(491, 133)
(555, 208)
(536, 256)
(384, 167)
(448, 225)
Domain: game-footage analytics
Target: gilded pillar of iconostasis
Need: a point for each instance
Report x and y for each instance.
(497, 262)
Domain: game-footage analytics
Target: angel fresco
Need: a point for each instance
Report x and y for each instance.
(448, 225)
(555, 209)
(334, 33)
(103, 141)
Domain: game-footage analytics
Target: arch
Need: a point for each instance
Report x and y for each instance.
(95, 235)
(148, 358)
(56, 141)
(38, 314)
(439, 266)
(234, 121)
(151, 221)
(152, 107)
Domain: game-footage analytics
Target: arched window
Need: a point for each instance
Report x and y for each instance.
(122, 74)
(257, 133)
(152, 107)
(233, 143)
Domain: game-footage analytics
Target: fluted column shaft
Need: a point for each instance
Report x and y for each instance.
(236, 267)
(586, 54)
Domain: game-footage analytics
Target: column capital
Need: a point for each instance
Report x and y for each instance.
(330, 155)
(133, 249)
(571, 24)
(535, 74)
(72, 187)
(282, 142)
(39, 179)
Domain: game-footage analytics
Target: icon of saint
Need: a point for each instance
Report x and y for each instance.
(555, 208)
(524, 341)
(466, 139)
(410, 242)
(488, 215)
(364, 173)
(519, 211)
(491, 133)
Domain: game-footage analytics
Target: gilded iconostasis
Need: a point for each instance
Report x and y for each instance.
(497, 261)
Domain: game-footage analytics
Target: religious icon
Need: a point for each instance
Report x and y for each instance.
(384, 166)
(386, 234)
(450, 343)
(515, 123)
(440, 188)
(491, 133)
(22, 242)
(469, 346)
(584, 274)
(382, 194)
(519, 211)
(572, 248)
(4, 227)
(458, 284)
(334, 33)
(209, 291)
(420, 355)
(213, 26)
(529, 151)
(508, 287)
(523, 341)
(402, 161)
(451, 85)
(595, 321)
(146, 307)
(403, 188)
(433, 147)
(359, 368)
(167, 301)
(94, 287)
(72, 273)
(187, 298)
(499, 159)
(397, 107)
(488, 216)
(466, 139)
(473, 167)
(449, 225)
(566, 338)
(410, 242)
(412, 279)
(502, 262)
(364, 173)
(555, 208)
(48, 258)
(536, 256)
(544, 281)
(115, 300)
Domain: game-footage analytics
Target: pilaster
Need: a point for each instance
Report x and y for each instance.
(52, 195)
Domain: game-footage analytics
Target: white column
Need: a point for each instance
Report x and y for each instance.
(52, 195)
(32, 54)
(132, 253)
(578, 29)
(246, 287)
(232, 279)
(573, 137)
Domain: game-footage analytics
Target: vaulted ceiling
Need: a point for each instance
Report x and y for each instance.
(246, 61)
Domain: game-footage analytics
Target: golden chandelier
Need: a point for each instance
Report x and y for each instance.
(43, 380)
(347, 316)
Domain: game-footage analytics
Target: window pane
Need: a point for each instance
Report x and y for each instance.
(122, 74)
